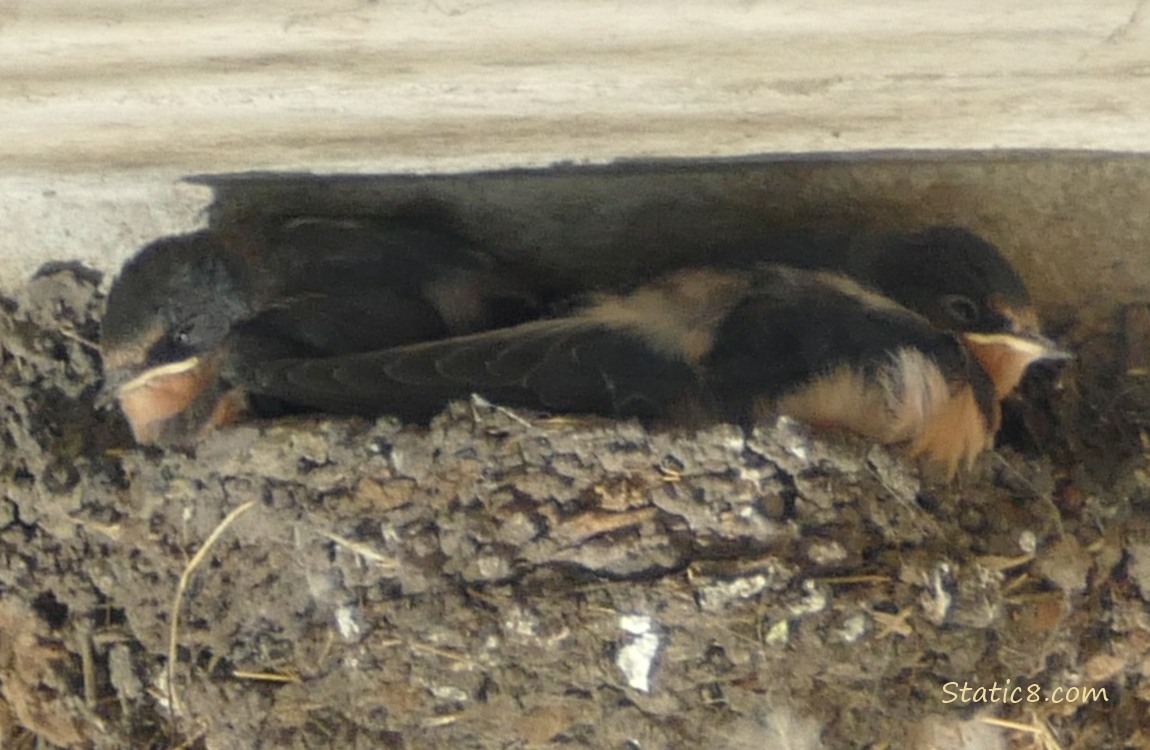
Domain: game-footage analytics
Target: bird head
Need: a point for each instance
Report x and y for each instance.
(168, 314)
(963, 284)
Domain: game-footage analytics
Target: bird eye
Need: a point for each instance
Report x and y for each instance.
(962, 310)
(182, 337)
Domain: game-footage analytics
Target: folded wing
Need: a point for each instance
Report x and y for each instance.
(561, 366)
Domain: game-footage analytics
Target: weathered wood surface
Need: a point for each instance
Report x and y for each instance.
(446, 85)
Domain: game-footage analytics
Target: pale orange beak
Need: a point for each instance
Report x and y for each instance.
(153, 398)
(1005, 356)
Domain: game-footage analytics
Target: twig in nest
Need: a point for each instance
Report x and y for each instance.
(362, 550)
(68, 333)
(174, 624)
(853, 580)
(287, 676)
(479, 401)
(1037, 729)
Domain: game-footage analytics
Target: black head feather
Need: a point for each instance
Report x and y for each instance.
(952, 277)
(179, 296)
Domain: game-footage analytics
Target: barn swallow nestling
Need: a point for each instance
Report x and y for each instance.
(725, 345)
(304, 288)
(954, 278)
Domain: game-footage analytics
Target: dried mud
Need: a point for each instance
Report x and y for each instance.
(501, 580)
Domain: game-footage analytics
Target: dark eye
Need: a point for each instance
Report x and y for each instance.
(176, 346)
(962, 310)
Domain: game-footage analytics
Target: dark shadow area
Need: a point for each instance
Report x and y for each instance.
(602, 225)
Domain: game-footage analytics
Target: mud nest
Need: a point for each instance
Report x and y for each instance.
(505, 580)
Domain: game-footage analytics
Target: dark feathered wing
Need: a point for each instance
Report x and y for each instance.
(561, 366)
